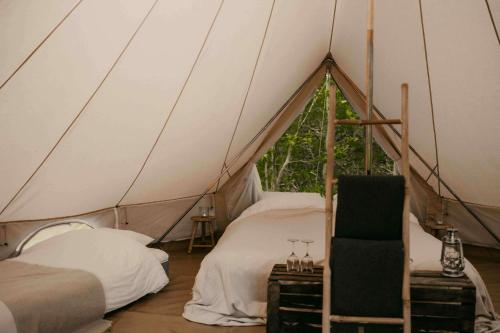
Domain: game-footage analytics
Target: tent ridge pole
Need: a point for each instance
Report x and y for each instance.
(329, 221)
(369, 87)
(405, 167)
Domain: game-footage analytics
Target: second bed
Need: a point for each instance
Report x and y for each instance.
(231, 285)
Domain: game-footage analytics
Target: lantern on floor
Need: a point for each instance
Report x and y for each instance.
(452, 254)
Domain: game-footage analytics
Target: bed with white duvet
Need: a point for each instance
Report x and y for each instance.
(124, 268)
(231, 286)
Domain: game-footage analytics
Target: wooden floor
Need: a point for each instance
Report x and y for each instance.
(163, 312)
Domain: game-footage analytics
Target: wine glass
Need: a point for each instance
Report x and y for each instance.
(307, 263)
(292, 262)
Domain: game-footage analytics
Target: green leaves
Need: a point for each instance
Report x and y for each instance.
(296, 162)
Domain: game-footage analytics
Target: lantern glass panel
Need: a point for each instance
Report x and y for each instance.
(452, 255)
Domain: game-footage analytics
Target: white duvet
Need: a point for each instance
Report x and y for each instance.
(126, 268)
(231, 285)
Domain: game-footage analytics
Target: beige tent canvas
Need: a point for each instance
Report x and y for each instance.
(128, 112)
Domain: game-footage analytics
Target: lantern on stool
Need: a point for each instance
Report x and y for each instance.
(205, 206)
(452, 254)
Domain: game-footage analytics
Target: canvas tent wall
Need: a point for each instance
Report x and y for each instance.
(144, 104)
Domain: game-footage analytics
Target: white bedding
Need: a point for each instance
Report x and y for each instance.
(126, 268)
(231, 285)
(160, 255)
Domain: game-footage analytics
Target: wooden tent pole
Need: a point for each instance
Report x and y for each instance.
(405, 166)
(329, 222)
(369, 87)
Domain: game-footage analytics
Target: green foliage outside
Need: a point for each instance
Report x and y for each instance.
(296, 163)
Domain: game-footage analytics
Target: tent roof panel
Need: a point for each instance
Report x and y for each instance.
(97, 160)
(24, 25)
(197, 135)
(50, 90)
(465, 86)
(296, 43)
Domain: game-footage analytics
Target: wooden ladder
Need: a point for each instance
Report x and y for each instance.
(405, 321)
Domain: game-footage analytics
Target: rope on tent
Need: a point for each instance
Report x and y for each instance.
(74, 121)
(430, 174)
(249, 87)
(40, 44)
(333, 24)
(431, 99)
(174, 106)
(492, 20)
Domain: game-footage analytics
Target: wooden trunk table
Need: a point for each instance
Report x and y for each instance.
(438, 304)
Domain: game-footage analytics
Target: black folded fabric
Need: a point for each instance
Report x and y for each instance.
(370, 207)
(367, 277)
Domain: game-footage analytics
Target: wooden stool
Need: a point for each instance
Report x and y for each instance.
(203, 220)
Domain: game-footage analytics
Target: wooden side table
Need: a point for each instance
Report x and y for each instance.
(203, 220)
(438, 304)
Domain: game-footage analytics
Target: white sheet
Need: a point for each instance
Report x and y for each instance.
(231, 285)
(127, 269)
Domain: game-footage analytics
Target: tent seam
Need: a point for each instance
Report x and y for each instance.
(74, 121)
(492, 20)
(40, 44)
(431, 99)
(249, 87)
(174, 106)
(102, 210)
(333, 24)
(430, 174)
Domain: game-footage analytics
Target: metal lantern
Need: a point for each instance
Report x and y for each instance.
(205, 205)
(452, 254)
(204, 211)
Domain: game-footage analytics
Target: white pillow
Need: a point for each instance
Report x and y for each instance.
(285, 200)
(141, 238)
(127, 270)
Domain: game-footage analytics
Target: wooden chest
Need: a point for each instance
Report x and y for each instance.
(441, 304)
(438, 304)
